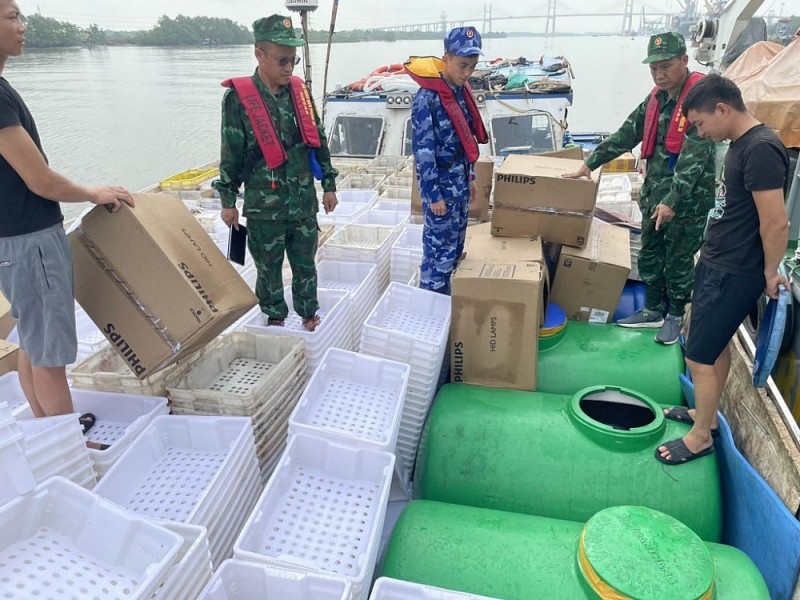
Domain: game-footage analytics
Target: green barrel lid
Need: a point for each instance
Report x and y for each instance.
(640, 553)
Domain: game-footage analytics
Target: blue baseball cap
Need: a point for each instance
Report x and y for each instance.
(463, 41)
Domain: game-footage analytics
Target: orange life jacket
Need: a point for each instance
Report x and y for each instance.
(470, 135)
(263, 127)
(678, 124)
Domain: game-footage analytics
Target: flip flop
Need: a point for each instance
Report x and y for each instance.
(680, 453)
(87, 421)
(681, 414)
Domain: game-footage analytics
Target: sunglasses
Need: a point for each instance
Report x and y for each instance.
(285, 61)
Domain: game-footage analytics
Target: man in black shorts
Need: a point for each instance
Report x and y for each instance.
(745, 242)
(35, 259)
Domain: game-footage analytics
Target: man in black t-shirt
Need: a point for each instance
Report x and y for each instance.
(745, 241)
(35, 259)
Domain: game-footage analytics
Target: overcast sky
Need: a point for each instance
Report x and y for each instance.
(143, 14)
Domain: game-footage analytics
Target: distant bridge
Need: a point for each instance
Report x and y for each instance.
(487, 20)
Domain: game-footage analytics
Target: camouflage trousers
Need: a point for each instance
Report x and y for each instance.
(268, 241)
(442, 244)
(666, 260)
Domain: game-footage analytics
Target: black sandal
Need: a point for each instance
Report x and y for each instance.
(681, 415)
(680, 453)
(87, 421)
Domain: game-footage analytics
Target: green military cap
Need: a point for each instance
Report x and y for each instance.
(664, 46)
(276, 29)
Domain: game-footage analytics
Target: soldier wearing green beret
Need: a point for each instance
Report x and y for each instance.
(678, 190)
(274, 143)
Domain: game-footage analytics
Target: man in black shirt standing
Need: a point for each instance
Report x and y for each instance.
(35, 259)
(745, 241)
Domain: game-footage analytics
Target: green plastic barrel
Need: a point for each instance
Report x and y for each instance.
(565, 457)
(632, 552)
(585, 354)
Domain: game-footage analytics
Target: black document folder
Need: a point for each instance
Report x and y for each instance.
(237, 244)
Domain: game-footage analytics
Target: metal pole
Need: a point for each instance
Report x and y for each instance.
(328, 51)
(306, 49)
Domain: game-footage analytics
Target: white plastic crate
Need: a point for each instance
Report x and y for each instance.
(419, 317)
(192, 568)
(90, 338)
(399, 181)
(406, 254)
(396, 193)
(613, 183)
(107, 371)
(360, 181)
(343, 213)
(363, 243)
(389, 218)
(239, 370)
(120, 418)
(342, 490)
(355, 399)
(360, 280)
(386, 162)
(396, 205)
(364, 197)
(394, 589)
(15, 472)
(242, 580)
(334, 331)
(169, 471)
(62, 541)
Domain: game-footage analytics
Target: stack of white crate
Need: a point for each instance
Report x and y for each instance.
(410, 325)
(363, 243)
(406, 254)
(360, 280)
(322, 512)
(334, 331)
(243, 580)
(62, 541)
(189, 469)
(249, 375)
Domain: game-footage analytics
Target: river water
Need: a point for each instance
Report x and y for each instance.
(134, 115)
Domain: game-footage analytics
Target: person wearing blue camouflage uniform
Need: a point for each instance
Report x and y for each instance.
(280, 205)
(677, 194)
(446, 178)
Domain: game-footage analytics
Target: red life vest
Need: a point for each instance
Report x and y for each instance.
(469, 135)
(677, 126)
(263, 127)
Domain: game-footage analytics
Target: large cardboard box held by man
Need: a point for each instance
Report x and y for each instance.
(532, 198)
(497, 304)
(154, 282)
(484, 179)
(9, 354)
(589, 281)
(7, 322)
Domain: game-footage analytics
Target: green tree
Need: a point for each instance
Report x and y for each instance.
(96, 36)
(44, 32)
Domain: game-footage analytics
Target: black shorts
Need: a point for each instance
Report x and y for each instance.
(720, 302)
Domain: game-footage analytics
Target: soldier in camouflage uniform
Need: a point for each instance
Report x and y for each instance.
(677, 194)
(446, 178)
(280, 204)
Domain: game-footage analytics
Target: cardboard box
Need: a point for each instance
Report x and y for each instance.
(7, 322)
(573, 152)
(532, 198)
(622, 164)
(589, 281)
(9, 354)
(484, 179)
(482, 245)
(494, 332)
(154, 282)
